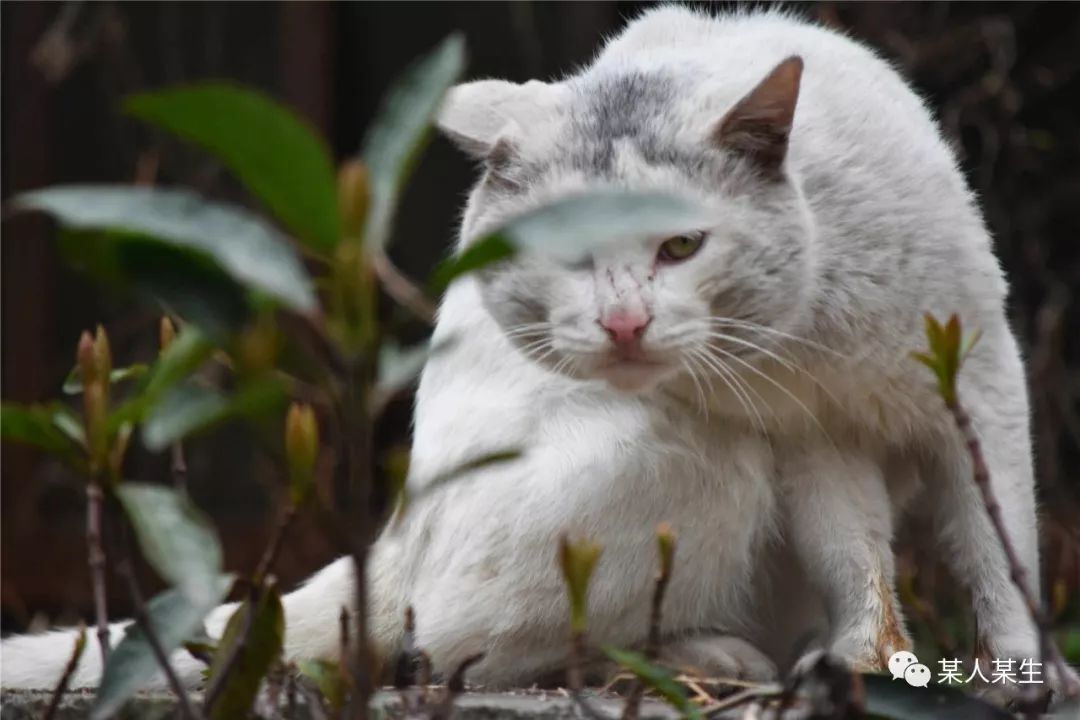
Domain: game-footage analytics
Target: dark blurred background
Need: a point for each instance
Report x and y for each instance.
(1004, 78)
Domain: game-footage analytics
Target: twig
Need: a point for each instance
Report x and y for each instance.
(217, 685)
(73, 663)
(403, 290)
(343, 637)
(179, 466)
(1017, 572)
(142, 621)
(666, 542)
(405, 670)
(454, 687)
(740, 698)
(269, 556)
(96, 560)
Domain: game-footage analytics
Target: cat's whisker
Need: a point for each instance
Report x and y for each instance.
(731, 380)
(747, 388)
(703, 406)
(779, 387)
(765, 329)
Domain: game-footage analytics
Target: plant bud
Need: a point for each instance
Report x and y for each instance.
(578, 559)
(353, 192)
(301, 449)
(166, 333)
(84, 357)
(102, 356)
(665, 541)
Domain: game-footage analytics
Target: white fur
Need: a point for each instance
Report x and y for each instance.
(801, 466)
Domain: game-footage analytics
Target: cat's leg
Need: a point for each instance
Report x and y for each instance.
(992, 390)
(839, 524)
(718, 655)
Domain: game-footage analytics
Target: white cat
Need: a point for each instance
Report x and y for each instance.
(750, 383)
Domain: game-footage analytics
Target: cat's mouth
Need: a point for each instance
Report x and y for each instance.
(633, 374)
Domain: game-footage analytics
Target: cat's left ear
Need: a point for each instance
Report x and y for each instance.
(483, 116)
(759, 125)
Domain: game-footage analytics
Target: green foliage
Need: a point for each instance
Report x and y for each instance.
(243, 245)
(660, 679)
(947, 352)
(190, 409)
(888, 698)
(400, 132)
(256, 641)
(73, 382)
(569, 229)
(273, 152)
(329, 679)
(174, 618)
(176, 538)
(46, 427)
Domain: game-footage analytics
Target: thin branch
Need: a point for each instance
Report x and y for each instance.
(217, 685)
(454, 687)
(95, 508)
(652, 644)
(179, 466)
(1017, 572)
(403, 290)
(269, 556)
(73, 663)
(142, 621)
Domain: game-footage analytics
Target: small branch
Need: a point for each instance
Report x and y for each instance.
(142, 620)
(213, 692)
(95, 509)
(652, 643)
(403, 290)
(269, 556)
(179, 467)
(1017, 572)
(73, 663)
(454, 687)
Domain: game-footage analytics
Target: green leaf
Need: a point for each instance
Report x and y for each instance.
(273, 152)
(36, 425)
(328, 679)
(889, 698)
(660, 679)
(250, 250)
(175, 537)
(401, 129)
(254, 659)
(571, 228)
(487, 251)
(73, 382)
(191, 408)
(185, 355)
(175, 619)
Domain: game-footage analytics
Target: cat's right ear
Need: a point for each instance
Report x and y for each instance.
(483, 117)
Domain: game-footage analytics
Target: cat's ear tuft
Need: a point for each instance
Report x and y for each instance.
(759, 125)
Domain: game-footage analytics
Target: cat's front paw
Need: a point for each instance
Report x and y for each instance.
(723, 656)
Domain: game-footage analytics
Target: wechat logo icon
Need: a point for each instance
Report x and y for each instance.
(904, 665)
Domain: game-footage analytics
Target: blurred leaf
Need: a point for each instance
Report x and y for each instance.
(185, 355)
(888, 698)
(486, 251)
(401, 129)
(69, 423)
(175, 538)
(276, 155)
(329, 680)
(570, 229)
(399, 367)
(660, 679)
(190, 409)
(174, 618)
(1070, 646)
(253, 661)
(458, 472)
(73, 382)
(35, 425)
(250, 250)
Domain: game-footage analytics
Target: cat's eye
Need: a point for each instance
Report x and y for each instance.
(680, 247)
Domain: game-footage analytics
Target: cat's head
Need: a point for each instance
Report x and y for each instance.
(644, 309)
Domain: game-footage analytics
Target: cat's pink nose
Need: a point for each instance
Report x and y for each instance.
(626, 328)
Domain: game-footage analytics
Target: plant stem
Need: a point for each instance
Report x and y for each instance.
(403, 290)
(73, 663)
(652, 643)
(213, 692)
(269, 556)
(183, 702)
(1017, 572)
(179, 466)
(95, 508)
